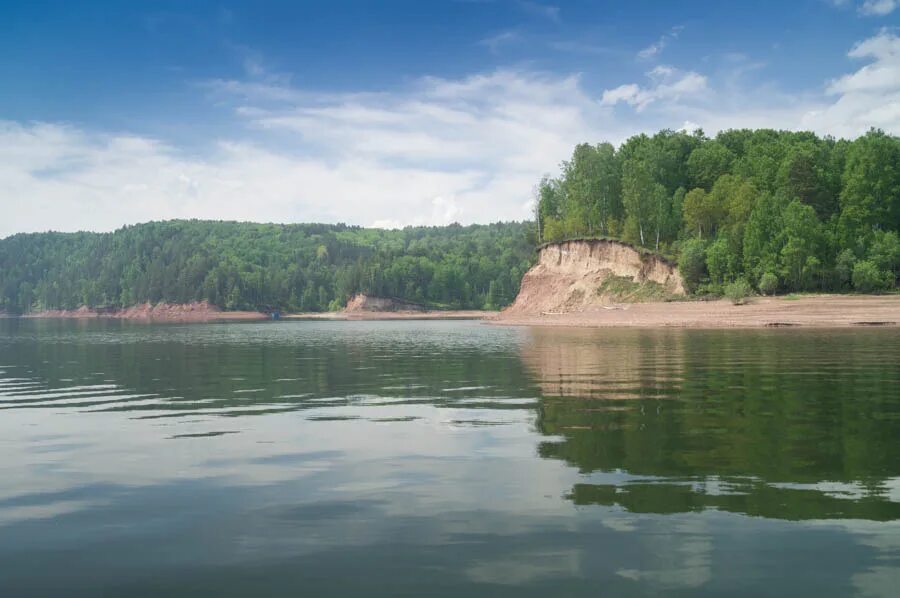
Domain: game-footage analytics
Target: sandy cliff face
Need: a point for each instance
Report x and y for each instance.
(366, 303)
(568, 275)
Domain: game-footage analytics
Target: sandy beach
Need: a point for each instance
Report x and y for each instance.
(822, 311)
(393, 315)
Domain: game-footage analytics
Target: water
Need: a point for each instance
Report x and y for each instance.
(446, 458)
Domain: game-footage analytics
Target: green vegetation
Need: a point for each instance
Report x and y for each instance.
(768, 283)
(784, 211)
(739, 291)
(302, 267)
(624, 289)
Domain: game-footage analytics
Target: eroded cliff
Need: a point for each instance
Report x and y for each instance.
(570, 276)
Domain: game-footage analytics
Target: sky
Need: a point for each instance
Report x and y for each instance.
(394, 113)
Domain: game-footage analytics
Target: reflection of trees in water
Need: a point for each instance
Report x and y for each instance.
(754, 498)
(760, 408)
(180, 375)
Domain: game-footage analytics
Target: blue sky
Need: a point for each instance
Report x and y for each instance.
(394, 113)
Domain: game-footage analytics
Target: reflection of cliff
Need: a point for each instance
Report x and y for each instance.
(612, 364)
(778, 416)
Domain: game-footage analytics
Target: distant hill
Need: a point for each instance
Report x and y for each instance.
(247, 266)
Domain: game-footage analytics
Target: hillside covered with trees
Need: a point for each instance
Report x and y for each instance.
(784, 211)
(301, 267)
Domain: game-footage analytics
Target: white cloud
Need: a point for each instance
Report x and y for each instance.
(883, 74)
(657, 47)
(848, 105)
(442, 150)
(878, 8)
(469, 149)
(869, 97)
(667, 84)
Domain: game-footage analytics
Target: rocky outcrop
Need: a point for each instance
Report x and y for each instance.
(368, 303)
(569, 274)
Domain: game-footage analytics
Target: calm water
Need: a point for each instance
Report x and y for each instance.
(446, 458)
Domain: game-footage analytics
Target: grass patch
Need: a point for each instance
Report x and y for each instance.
(625, 290)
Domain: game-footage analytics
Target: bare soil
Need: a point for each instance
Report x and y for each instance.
(200, 311)
(820, 311)
(370, 303)
(571, 276)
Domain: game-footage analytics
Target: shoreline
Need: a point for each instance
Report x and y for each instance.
(805, 311)
(200, 312)
(464, 314)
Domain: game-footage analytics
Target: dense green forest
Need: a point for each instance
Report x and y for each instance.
(301, 267)
(783, 211)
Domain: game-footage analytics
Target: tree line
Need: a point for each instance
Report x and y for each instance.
(237, 266)
(783, 211)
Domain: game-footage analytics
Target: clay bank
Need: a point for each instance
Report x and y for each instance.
(579, 283)
(569, 276)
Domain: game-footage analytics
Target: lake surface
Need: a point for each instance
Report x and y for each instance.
(446, 459)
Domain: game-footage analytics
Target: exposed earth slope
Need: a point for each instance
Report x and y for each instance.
(569, 276)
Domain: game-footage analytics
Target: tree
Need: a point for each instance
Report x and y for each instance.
(884, 252)
(768, 283)
(800, 244)
(843, 268)
(721, 263)
(762, 237)
(870, 197)
(707, 163)
(702, 212)
(692, 263)
(592, 186)
(802, 176)
(867, 278)
(641, 196)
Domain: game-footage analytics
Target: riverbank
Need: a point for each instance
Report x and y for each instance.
(820, 311)
(204, 312)
(200, 311)
(393, 315)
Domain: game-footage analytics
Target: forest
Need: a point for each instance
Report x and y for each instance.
(296, 267)
(776, 210)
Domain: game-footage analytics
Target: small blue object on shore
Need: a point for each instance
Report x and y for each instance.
(276, 315)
